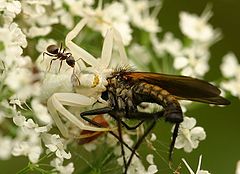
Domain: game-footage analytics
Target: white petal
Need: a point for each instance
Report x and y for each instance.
(229, 65)
(180, 62)
(153, 137)
(189, 122)
(51, 147)
(198, 133)
(34, 154)
(203, 172)
(238, 168)
(152, 169)
(180, 142)
(188, 147)
(19, 120)
(149, 158)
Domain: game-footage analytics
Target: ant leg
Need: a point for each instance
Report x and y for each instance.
(60, 49)
(52, 55)
(51, 64)
(60, 66)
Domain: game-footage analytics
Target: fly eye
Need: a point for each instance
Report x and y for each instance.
(53, 49)
(104, 95)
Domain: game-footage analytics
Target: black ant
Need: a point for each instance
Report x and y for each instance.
(59, 53)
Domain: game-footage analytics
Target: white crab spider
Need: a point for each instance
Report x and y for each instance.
(92, 82)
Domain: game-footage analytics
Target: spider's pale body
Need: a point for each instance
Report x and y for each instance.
(88, 82)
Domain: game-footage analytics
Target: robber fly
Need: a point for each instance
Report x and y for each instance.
(127, 89)
(59, 54)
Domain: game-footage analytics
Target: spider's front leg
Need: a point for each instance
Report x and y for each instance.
(111, 35)
(56, 107)
(76, 50)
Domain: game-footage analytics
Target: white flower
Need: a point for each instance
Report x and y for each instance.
(188, 135)
(10, 9)
(197, 28)
(169, 44)
(153, 137)
(41, 112)
(26, 148)
(149, 158)
(19, 120)
(139, 12)
(18, 78)
(231, 70)
(193, 61)
(137, 53)
(101, 19)
(199, 171)
(238, 168)
(42, 15)
(13, 39)
(230, 65)
(152, 169)
(5, 147)
(43, 44)
(58, 164)
(55, 144)
(38, 31)
(27, 141)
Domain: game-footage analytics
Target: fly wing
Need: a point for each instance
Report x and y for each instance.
(182, 87)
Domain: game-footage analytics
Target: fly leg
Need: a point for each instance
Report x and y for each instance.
(154, 117)
(112, 113)
(111, 132)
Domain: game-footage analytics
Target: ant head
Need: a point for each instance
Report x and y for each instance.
(53, 49)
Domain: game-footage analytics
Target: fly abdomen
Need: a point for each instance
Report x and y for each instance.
(155, 94)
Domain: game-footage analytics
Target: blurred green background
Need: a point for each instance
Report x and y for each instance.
(221, 149)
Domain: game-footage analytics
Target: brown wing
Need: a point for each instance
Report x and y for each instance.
(182, 87)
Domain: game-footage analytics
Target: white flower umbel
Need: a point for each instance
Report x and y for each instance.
(189, 136)
(197, 28)
(100, 19)
(141, 16)
(41, 15)
(199, 171)
(9, 10)
(12, 39)
(27, 141)
(231, 71)
(136, 52)
(193, 61)
(169, 44)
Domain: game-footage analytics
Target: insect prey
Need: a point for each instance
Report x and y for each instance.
(127, 89)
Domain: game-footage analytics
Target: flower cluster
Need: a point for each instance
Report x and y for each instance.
(230, 68)
(28, 78)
